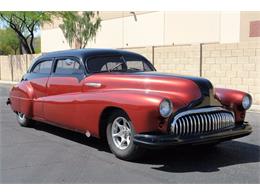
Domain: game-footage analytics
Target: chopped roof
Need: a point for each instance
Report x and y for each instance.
(86, 53)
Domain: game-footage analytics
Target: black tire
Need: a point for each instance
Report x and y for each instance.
(23, 120)
(132, 152)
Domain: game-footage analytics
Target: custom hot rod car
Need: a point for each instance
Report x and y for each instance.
(119, 96)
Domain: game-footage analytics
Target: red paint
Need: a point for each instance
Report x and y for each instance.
(232, 100)
(72, 104)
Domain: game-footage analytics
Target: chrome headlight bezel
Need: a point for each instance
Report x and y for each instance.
(246, 102)
(165, 108)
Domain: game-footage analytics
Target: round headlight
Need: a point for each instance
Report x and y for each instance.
(165, 108)
(246, 102)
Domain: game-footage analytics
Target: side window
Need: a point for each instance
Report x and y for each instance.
(137, 64)
(43, 67)
(68, 66)
(104, 64)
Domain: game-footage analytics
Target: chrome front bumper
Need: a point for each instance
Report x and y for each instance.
(162, 140)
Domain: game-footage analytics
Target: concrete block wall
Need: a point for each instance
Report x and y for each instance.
(235, 66)
(145, 51)
(178, 59)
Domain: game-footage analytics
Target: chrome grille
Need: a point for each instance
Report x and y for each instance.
(201, 121)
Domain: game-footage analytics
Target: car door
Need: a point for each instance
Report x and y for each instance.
(38, 77)
(63, 86)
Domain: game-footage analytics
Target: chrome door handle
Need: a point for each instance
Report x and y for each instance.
(96, 85)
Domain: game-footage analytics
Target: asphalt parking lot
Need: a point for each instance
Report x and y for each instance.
(47, 154)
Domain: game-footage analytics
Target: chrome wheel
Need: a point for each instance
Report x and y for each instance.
(23, 120)
(121, 133)
(21, 116)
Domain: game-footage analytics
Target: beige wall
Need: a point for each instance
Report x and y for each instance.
(201, 27)
(53, 40)
(246, 18)
(12, 68)
(157, 28)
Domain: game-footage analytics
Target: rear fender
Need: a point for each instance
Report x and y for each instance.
(21, 98)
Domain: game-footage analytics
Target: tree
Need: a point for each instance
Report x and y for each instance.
(25, 24)
(9, 43)
(80, 27)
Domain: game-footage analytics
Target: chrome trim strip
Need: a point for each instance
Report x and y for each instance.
(225, 119)
(206, 122)
(198, 129)
(195, 124)
(177, 128)
(184, 126)
(188, 126)
(213, 122)
(202, 123)
(209, 120)
(217, 121)
(221, 120)
(191, 124)
(180, 128)
(96, 85)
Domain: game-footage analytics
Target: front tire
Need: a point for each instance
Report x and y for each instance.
(23, 120)
(120, 133)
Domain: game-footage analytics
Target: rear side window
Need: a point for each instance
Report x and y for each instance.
(105, 64)
(69, 66)
(137, 64)
(118, 63)
(43, 67)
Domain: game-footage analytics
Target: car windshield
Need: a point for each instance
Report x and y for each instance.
(118, 64)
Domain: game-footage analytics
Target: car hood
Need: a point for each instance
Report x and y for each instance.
(184, 89)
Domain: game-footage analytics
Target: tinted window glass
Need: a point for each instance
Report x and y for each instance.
(137, 65)
(68, 66)
(105, 64)
(43, 67)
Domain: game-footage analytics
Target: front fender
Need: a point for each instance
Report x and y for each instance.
(232, 100)
(142, 109)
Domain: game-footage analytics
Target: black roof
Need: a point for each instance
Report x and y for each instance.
(90, 52)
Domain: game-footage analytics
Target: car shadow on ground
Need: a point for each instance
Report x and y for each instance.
(178, 159)
(72, 136)
(203, 158)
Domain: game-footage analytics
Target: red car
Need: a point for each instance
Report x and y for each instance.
(118, 95)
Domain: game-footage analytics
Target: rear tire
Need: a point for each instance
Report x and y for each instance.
(120, 134)
(23, 120)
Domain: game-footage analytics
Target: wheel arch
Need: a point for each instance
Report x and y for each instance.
(104, 119)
